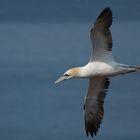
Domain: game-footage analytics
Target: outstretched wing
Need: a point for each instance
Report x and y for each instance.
(101, 37)
(93, 106)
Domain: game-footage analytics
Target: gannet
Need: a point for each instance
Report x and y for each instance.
(101, 67)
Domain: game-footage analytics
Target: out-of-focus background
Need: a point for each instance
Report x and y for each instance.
(39, 40)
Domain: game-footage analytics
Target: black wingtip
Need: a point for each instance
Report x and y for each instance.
(106, 16)
(107, 10)
(91, 133)
(87, 132)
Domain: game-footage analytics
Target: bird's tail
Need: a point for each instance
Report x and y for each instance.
(137, 68)
(131, 68)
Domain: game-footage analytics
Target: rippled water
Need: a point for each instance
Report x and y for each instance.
(33, 56)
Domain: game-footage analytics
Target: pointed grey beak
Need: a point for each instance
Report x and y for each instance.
(62, 78)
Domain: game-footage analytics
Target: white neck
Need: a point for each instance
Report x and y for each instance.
(84, 71)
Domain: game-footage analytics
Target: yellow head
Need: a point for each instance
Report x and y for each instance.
(74, 72)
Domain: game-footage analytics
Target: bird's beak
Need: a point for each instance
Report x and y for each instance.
(62, 78)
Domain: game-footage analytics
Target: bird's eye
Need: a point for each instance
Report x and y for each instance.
(66, 74)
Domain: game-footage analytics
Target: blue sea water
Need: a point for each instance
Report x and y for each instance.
(33, 56)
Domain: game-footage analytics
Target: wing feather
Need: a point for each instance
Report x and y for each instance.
(101, 37)
(94, 101)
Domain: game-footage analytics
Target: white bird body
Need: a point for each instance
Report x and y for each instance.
(100, 68)
(103, 69)
(95, 69)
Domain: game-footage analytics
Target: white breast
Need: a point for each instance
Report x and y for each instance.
(98, 69)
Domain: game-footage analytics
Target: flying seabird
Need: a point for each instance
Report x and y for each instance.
(99, 69)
